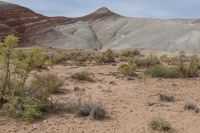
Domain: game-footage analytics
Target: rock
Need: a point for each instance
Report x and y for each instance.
(101, 29)
(112, 83)
(45, 121)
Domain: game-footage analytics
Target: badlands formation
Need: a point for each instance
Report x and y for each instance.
(101, 29)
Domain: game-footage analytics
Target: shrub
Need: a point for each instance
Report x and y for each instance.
(33, 112)
(79, 56)
(7, 49)
(57, 58)
(99, 59)
(50, 82)
(98, 113)
(166, 98)
(161, 125)
(147, 62)
(21, 99)
(26, 58)
(106, 57)
(82, 75)
(127, 70)
(163, 72)
(84, 110)
(25, 102)
(190, 106)
(130, 53)
(191, 69)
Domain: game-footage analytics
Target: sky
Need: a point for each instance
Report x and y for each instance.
(164, 9)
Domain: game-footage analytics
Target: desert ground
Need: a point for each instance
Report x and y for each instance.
(129, 70)
(130, 104)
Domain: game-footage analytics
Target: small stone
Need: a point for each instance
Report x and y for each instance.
(45, 121)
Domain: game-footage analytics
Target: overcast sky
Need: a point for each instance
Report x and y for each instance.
(164, 9)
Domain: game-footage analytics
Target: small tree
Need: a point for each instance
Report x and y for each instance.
(18, 97)
(25, 62)
(7, 46)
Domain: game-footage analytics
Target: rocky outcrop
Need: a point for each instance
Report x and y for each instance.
(101, 29)
(23, 22)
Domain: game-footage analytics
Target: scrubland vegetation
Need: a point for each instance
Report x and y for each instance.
(27, 87)
(161, 125)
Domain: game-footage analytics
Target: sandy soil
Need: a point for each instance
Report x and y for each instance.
(127, 103)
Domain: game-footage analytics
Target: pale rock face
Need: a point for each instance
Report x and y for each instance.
(72, 36)
(101, 29)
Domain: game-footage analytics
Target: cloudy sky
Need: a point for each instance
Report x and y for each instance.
(165, 9)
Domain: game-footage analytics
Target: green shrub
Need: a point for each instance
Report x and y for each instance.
(20, 98)
(79, 56)
(57, 58)
(163, 72)
(147, 62)
(7, 49)
(50, 82)
(191, 69)
(99, 59)
(161, 125)
(34, 56)
(82, 75)
(26, 102)
(33, 112)
(130, 53)
(127, 70)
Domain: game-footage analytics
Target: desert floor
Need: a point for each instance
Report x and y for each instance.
(131, 104)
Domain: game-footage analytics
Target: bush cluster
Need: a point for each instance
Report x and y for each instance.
(149, 61)
(97, 112)
(50, 82)
(163, 72)
(82, 75)
(106, 57)
(127, 70)
(191, 69)
(161, 125)
(19, 97)
(130, 53)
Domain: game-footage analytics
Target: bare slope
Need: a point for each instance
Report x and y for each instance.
(101, 29)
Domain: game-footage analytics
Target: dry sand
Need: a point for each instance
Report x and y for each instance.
(127, 103)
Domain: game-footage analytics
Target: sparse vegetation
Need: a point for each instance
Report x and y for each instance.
(146, 62)
(82, 75)
(127, 70)
(161, 125)
(190, 106)
(163, 72)
(79, 56)
(130, 53)
(57, 58)
(191, 69)
(49, 81)
(84, 110)
(106, 57)
(181, 69)
(166, 98)
(98, 113)
(19, 98)
(95, 111)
